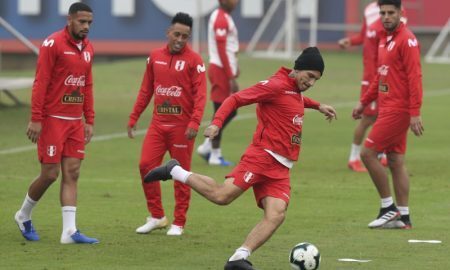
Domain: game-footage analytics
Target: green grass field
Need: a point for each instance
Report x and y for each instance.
(330, 205)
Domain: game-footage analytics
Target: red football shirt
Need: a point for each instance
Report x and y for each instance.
(398, 84)
(178, 83)
(63, 81)
(280, 113)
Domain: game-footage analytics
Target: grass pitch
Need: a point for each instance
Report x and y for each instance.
(330, 205)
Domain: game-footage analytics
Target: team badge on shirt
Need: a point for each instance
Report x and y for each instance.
(51, 150)
(296, 138)
(179, 65)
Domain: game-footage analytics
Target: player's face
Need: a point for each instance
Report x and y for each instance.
(229, 5)
(79, 24)
(390, 17)
(306, 78)
(178, 35)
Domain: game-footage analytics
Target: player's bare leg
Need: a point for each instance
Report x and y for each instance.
(274, 215)
(380, 179)
(49, 174)
(354, 162)
(221, 194)
(70, 168)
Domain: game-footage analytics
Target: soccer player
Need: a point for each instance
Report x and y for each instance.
(61, 96)
(398, 88)
(223, 46)
(175, 76)
(368, 37)
(266, 163)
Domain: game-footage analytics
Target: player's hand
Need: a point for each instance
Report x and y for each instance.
(88, 133)
(211, 131)
(34, 131)
(131, 131)
(190, 133)
(328, 111)
(416, 125)
(234, 87)
(357, 111)
(344, 43)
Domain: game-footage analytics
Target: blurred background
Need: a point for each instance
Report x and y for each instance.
(277, 28)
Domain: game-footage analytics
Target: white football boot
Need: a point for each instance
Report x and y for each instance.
(175, 230)
(153, 224)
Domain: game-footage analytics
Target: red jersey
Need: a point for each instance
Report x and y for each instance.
(63, 82)
(398, 84)
(280, 112)
(369, 38)
(178, 83)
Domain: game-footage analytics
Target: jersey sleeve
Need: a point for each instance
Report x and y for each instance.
(310, 103)
(145, 94)
(264, 91)
(221, 29)
(372, 93)
(199, 92)
(88, 105)
(44, 69)
(358, 39)
(411, 62)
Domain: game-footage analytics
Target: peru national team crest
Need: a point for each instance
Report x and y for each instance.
(248, 177)
(179, 65)
(87, 57)
(51, 150)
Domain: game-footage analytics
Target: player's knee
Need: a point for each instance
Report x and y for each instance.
(277, 217)
(222, 199)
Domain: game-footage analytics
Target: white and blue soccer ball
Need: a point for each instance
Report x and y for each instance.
(304, 256)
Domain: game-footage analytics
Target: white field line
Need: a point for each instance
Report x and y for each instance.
(107, 137)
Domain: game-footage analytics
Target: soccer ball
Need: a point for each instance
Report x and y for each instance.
(304, 256)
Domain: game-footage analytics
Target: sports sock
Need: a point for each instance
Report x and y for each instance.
(205, 147)
(27, 207)
(404, 210)
(240, 253)
(180, 174)
(68, 216)
(216, 153)
(355, 152)
(386, 202)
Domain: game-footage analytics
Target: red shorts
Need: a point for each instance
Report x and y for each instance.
(60, 138)
(267, 176)
(389, 133)
(372, 108)
(220, 84)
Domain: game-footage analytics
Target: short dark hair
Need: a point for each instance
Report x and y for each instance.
(182, 18)
(396, 3)
(75, 7)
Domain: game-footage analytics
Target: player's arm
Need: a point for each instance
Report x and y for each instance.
(221, 29)
(199, 93)
(411, 61)
(143, 99)
(370, 95)
(354, 40)
(327, 110)
(44, 70)
(88, 108)
(264, 91)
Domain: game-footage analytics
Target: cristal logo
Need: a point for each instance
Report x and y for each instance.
(383, 70)
(172, 91)
(75, 81)
(297, 120)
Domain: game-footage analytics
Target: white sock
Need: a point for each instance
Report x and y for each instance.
(205, 147)
(68, 216)
(404, 210)
(386, 202)
(27, 207)
(216, 153)
(240, 253)
(355, 152)
(180, 174)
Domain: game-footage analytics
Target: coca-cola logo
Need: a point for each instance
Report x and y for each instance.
(75, 81)
(171, 91)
